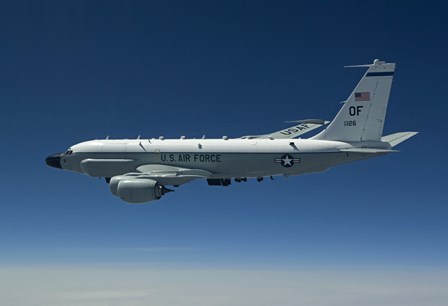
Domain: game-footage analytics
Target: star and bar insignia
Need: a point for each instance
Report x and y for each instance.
(287, 160)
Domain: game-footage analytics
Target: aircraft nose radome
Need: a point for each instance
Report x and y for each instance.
(54, 161)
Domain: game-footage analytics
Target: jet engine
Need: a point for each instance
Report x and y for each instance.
(113, 183)
(136, 190)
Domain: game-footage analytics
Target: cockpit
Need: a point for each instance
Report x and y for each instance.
(69, 151)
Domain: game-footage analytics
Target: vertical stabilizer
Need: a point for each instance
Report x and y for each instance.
(361, 118)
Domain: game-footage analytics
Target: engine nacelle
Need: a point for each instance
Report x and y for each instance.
(113, 183)
(136, 190)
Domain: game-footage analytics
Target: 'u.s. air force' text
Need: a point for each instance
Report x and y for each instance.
(202, 158)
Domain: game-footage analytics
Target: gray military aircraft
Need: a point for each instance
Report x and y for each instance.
(139, 170)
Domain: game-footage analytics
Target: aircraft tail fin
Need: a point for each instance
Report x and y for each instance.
(397, 138)
(361, 118)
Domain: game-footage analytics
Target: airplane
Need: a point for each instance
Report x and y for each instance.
(139, 170)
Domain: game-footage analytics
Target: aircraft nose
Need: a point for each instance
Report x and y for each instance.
(54, 160)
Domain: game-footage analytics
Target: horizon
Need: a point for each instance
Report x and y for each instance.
(371, 232)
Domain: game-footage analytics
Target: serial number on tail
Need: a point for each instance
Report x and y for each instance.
(350, 123)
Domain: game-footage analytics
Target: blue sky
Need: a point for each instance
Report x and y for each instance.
(80, 70)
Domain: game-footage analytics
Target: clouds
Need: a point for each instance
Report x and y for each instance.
(144, 285)
(233, 69)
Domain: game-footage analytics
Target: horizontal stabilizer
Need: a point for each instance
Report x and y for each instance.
(397, 138)
(367, 150)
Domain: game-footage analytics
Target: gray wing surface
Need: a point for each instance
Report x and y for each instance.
(302, 127)
(169, 175)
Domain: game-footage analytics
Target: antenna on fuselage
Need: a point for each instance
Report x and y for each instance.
(141, 145)
(107, 137)
(138, 137)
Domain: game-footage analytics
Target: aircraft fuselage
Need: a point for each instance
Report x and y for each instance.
(223, 158)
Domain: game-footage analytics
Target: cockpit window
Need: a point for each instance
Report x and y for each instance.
(69, 151)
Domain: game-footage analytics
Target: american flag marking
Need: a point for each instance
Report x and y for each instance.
(362, 96)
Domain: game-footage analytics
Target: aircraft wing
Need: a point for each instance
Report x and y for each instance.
(169, 175)
(302, 127)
